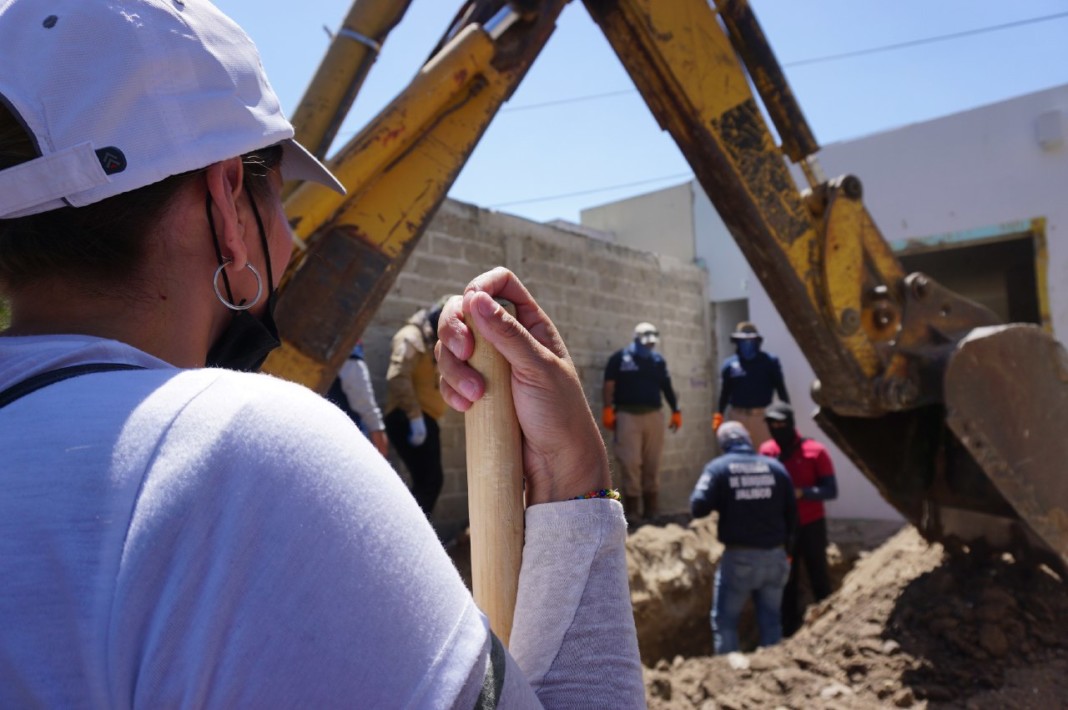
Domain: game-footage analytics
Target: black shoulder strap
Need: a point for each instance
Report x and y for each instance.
(493, 681)
(32, 384)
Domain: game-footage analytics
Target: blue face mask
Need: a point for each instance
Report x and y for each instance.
(747, 349)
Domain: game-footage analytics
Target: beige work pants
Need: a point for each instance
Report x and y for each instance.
(753, 420)
(638, 443)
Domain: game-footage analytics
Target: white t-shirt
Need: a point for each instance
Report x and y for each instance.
(206, 538)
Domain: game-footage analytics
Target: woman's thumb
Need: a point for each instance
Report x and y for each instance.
(500, 328)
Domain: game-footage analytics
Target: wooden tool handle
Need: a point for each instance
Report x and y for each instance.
(495, 490)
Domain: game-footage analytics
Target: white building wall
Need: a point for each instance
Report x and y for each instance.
(728, 272)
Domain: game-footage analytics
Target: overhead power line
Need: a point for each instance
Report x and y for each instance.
(571, 100)
(825, 58)
(794, 63)
(925, 40)
(577, 193)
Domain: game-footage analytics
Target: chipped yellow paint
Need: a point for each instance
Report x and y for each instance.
(843, 278)
(340, 75)
(856, 258)
(689, 45)
(290, 363)
(397, 171)
(398, 202)
(381, 143)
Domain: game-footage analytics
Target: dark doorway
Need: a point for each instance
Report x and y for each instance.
(998, 274)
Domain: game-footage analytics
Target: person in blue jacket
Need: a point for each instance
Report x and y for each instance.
(749, 380)
(757, 508)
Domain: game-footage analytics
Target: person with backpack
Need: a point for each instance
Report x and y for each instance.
(414, 404)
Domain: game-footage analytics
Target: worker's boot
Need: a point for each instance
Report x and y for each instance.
(649, 499)
(630, 509)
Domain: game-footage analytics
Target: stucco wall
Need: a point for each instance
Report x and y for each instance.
(595, 292)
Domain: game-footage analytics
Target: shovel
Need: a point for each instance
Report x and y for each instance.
(494, 489)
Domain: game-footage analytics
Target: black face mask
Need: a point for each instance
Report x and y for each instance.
(247, 340)
(784, 437)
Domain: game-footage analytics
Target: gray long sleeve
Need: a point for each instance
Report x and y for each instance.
(573, 632)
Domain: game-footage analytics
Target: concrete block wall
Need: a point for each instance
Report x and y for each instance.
(595, 292)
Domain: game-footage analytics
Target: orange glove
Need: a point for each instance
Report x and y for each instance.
(608, 416)
(717, 419)
(676, 421)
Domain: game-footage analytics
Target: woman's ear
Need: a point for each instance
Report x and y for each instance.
(225, 181)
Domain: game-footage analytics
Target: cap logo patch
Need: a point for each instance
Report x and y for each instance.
(50, 22)
(111, 159)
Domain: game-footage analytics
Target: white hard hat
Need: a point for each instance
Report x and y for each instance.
(647, 334)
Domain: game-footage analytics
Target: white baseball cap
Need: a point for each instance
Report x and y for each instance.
(119, 94)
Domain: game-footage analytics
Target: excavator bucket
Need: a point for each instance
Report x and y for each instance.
(1006, 394)
(983, 470)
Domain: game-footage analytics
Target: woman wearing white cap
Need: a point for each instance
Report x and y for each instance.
(179, 535)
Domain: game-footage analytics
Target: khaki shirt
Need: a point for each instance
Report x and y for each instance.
(412, 377)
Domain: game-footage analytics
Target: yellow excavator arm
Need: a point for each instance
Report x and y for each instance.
(397, 171)
(897, 356)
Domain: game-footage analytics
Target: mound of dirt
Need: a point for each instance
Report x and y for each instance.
(670, 568)
(671, 564)
(908, 628)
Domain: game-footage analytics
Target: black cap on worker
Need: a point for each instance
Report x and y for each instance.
(780, 412)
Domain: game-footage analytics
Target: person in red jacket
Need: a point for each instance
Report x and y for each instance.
(812, 473)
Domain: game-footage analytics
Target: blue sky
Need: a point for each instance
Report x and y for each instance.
(550, 161)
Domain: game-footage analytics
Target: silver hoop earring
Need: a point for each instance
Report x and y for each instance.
(222, 298)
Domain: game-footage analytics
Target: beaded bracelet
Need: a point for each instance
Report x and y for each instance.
(610, 493)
